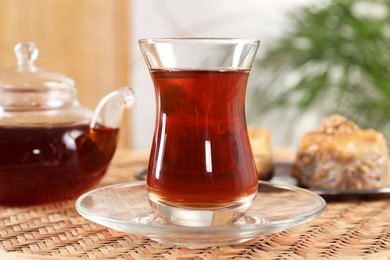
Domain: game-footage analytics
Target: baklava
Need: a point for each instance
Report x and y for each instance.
(342, 156)
(260, 140)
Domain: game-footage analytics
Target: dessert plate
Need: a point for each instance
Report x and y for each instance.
(124, 207)
(283, 170)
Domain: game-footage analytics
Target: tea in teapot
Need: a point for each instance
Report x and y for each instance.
(51, 147)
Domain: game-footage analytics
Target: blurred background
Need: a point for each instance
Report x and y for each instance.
(317, 57)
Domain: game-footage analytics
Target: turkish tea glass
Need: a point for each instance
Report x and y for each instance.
(201, 169)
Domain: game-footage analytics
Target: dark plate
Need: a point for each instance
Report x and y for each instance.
(282, 175)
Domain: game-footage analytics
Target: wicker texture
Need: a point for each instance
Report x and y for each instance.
(51, 231)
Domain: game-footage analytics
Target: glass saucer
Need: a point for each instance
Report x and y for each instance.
(124, 207)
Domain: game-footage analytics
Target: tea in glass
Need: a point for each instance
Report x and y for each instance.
(201, 170)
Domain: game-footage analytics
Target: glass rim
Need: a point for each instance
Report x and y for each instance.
(214, 40)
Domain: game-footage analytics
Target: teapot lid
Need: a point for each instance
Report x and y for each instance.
(26, 76)
(28, 87)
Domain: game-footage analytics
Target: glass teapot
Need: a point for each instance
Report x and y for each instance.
(51, 147)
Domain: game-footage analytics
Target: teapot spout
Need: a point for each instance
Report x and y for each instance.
(108, 112)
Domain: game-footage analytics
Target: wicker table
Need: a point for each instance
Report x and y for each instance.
(346, 229)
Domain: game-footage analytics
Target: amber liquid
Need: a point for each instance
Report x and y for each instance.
(201, 155)
(43, 164)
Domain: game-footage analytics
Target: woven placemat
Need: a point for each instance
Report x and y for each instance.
(347, 229)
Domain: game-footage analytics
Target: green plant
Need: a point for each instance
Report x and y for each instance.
(336, 59)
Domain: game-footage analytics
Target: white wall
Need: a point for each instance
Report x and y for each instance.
(258, 19)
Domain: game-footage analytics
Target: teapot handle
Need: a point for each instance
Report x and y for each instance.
(108, 112)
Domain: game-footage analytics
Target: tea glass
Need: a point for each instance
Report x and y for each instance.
(201, 170)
